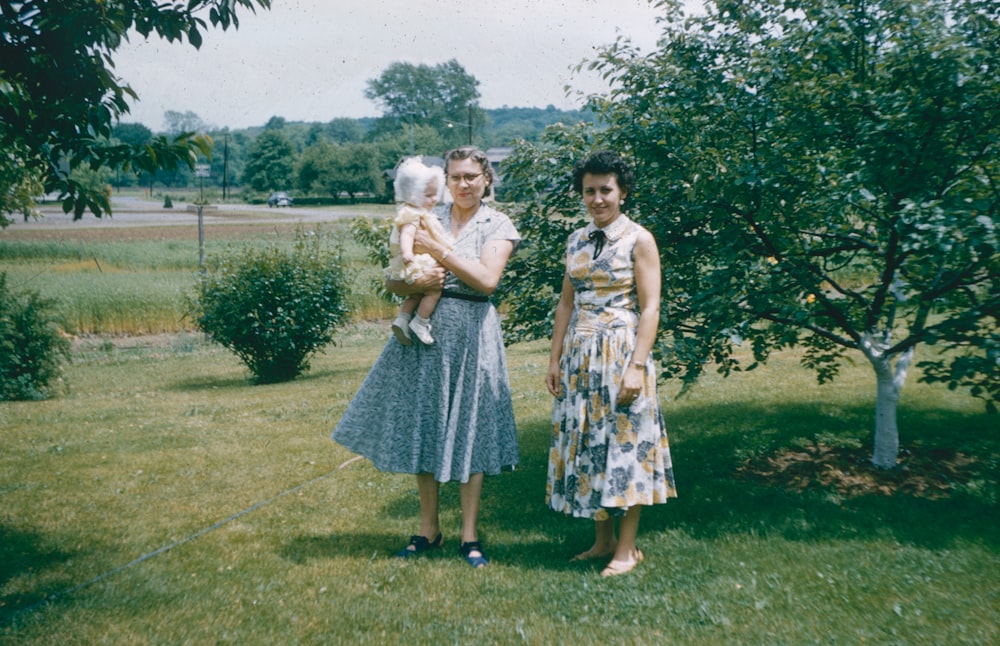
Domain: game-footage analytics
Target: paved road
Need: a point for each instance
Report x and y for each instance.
(135, 211)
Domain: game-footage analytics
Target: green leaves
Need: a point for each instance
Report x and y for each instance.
(269, 165)
(31, 347)
(60, 98)
(813, 172)
(273, 307)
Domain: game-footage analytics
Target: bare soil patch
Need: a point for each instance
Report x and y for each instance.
(920, 472)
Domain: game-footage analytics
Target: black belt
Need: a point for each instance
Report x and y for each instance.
(478, 298)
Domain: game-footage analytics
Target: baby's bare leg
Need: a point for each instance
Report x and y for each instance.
(428, 304)
(410, 304)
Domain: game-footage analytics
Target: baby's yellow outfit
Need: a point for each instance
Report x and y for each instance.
(423, 219)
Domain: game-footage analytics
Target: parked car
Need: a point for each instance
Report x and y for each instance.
(279, 198)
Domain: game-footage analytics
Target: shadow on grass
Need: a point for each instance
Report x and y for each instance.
(709, 443)
(25, 554)
(196, 383)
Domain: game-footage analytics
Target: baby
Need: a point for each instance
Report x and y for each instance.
(418, 189)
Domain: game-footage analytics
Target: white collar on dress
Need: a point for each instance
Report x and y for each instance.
(613, 231)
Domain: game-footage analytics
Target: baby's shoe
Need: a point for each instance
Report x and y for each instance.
(401, 328)
(422, 328)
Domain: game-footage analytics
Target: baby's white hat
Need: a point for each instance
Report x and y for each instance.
(412, 178)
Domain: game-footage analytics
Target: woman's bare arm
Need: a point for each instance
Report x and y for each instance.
(431, 281)
(482, 275)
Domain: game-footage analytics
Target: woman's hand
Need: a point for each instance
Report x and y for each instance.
(553, 380)
(631, 385)
(424, 243)
(431, 281)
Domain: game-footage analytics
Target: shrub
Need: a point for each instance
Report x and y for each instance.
(167, 202)
(31, 348)
(373, 235)
(274, 308)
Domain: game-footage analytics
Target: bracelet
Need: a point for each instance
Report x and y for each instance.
(639, 365)
(444, 255)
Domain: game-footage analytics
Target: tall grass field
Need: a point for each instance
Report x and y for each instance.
(139, 280)
(161, 498)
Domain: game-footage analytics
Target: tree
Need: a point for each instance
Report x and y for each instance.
(331, 169)
(345, 131)
(180, 122)
(19, 186)
(314, 168)
(424, 95)
(819, 174)
(133, 134)
(356, 170)
(32, 349)
(59, 97)
(275, 123)
(270, 162)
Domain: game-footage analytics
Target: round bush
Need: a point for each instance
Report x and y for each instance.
(275, 307)
(31, 348)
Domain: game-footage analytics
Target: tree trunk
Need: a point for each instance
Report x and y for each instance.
(889, 384)
(886, 431)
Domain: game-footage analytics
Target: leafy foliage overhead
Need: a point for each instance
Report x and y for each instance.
(817, 173)
(60, 98)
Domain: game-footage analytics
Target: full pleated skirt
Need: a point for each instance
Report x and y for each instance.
(443, 409)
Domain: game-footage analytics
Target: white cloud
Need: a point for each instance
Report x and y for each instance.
(309, 60)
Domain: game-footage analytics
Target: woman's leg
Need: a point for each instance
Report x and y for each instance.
(429, 489)
(628, 528)
(604, 541)
(470, 493)
(627, 555)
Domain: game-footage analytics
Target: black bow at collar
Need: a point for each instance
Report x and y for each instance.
(597, 237)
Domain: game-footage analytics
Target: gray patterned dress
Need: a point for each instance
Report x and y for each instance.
(446, 408)
(605, 458)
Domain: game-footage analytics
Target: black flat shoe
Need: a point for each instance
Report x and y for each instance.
(419, 545)
(465, 549)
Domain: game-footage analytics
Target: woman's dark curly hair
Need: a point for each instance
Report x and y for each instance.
(604, 162)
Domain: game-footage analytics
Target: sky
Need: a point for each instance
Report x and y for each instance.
(310, 60)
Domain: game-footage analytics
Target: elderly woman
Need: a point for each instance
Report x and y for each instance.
(609, 455)
(444, 411)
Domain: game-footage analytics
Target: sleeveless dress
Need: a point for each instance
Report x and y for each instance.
(604, 459)
(446, 408)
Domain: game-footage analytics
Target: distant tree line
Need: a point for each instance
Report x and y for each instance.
(341, 158)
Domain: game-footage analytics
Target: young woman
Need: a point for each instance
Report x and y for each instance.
(609, 454)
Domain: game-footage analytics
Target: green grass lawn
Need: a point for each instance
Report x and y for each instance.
(276, 536)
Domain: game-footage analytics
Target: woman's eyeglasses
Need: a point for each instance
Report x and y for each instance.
(468, 177)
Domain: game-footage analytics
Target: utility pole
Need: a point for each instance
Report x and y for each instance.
(470, 124)
(225, 166)
(467, 125)
(201, 171)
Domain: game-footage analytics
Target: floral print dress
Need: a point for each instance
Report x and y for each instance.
(604, 458)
